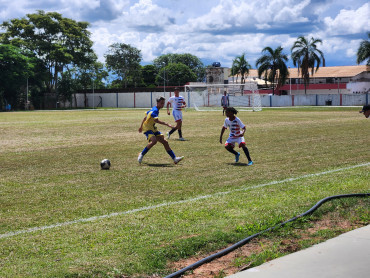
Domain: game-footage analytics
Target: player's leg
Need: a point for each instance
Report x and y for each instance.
(164, 142)
(179, 125)
(152, 141)
(177, 115)
(246, 151)
(173, 130)
(167, 147)
(230, 148)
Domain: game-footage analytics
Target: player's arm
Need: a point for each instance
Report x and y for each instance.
(141, 126)
(162, 123)
(222, 133)
(243, 131)
(168, 108)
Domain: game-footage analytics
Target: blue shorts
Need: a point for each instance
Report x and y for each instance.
(150, 133)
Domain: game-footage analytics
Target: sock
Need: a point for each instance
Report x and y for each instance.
(145, 150)
(232, 151)
(172, 131)
(246, 151)
(180, 133)
(172, 154)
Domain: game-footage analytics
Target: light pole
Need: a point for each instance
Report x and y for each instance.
(27, 96)
(164, 78)
(290, 83)
(93, 94)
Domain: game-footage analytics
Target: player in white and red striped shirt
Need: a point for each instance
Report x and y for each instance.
(236, 136)
(178, 103)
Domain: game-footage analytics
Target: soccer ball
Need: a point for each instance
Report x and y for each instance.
(105, 164)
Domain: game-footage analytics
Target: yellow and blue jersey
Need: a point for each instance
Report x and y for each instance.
(149, 123)
(149, 128)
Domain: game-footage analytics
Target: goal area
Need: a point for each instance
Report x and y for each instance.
(244, 97)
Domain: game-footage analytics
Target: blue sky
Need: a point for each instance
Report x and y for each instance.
(213, 30)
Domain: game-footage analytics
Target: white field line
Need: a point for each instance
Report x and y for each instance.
(244, 188)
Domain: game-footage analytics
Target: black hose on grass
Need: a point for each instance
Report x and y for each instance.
(244, 241)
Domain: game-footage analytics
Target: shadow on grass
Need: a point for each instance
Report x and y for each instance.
(237, 164)
(158, 164)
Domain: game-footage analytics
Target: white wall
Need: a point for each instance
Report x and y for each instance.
(148, 99)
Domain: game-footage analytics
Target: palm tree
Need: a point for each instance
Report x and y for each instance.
(234, 71)
(363, 52)
(272, 65)
(241, 66)
(305, 55)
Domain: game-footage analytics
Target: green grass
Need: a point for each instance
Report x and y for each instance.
(50, 174)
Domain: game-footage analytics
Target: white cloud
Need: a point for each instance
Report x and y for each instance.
(250, 15)
(215, 30)
(349, 21)
(148, 17)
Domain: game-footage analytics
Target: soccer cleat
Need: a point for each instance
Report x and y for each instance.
(181, 139)
(140, 157)
(177, 159)
(237, 157)
(168, 135)
(250, 163)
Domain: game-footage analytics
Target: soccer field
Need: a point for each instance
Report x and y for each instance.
(61, 216)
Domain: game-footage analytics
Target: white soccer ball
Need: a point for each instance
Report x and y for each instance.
(105, 164)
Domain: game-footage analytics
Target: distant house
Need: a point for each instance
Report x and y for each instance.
(327, 80)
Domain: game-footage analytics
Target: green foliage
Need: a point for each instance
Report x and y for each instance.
(272, 65)
(57, 41)
(240, 66)
(191, 61)
(363, 52)
(149, 73)
(254, 228)
(124, 60)
(67, 86)
(176, 75)
(16, 66)
(306, 56)
(364, 214)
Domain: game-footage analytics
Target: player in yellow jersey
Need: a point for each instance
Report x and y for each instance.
(152, 134)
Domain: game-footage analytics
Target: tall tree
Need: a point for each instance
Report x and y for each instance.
(272, 65)
(363, 52)
(124, 60)
(189, 60)
(16, 67)
(234, 71)
(176, 74)
(149, 73)
(305, 56)
(241, 66)
(86, 76)
(56, 40)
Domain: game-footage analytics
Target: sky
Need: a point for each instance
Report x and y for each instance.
(213, 30)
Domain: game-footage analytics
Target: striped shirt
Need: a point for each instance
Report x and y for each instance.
(177, 103)
(235, 126)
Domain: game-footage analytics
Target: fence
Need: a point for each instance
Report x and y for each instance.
(202, 98)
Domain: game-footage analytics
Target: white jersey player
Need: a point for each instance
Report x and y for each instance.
(236, 136)
(178, 103)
